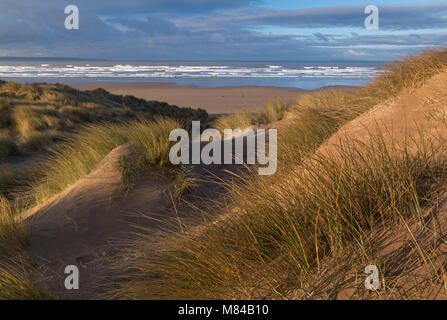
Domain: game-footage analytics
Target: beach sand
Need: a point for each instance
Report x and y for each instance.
(214, 100)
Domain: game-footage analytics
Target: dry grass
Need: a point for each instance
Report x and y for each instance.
(182, 184)
(34, 116)
(16, 282)
(16, 266)
(76, 130)
(273, 111)
(286, 226)
(7, 144)
(80, 154)
(33, 184)
(240, 119)
(13, 234)
(68, 163)
(280, 231)
(28, 185)
(407, 75)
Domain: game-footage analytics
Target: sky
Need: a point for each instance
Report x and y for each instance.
(269, 30)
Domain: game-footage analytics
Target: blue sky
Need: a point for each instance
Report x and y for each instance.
(221, 29)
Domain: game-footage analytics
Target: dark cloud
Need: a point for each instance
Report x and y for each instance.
(392, 17)
(321, 36)
(211, 29)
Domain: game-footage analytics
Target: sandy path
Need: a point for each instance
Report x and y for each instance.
(83, 223)
(87, 224)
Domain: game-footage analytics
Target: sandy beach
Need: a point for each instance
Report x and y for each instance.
(214, 100)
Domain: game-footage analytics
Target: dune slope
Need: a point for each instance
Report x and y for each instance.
(372, 193)
(81, 225)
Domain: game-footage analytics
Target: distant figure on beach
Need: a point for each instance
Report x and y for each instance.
(242, 95)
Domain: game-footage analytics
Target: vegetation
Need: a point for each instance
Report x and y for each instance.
(282, 228)
(16, 264)
(76, 130)
(66, 164)
(405, 76)
(33, 116)
(272, 111)
(16, 282)
(273, 234)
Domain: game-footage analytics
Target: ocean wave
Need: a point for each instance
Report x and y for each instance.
(181, 71)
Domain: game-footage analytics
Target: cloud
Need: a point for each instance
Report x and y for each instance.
(357, 53)
(147, 25)
(215, 29)
(392, 17)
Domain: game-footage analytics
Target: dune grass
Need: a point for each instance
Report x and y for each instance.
(316, 205)
(77, 156)
(273, 111)
(52, 135)
(34, 116)
(396, 78)
(286, 225)
(13, 234)
(279, 228)
(183, 271)
(80, 153)
(7, 144)
(16, 265)
(406, 75)
(16, 282)
(35, 119)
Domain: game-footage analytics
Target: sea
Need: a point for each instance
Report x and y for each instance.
(204, 74)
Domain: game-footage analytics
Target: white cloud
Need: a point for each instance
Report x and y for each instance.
(357, 53)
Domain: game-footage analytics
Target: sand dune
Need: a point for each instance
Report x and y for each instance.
(402, 251)
(356, 206)
(79, 225)
(89, 221)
